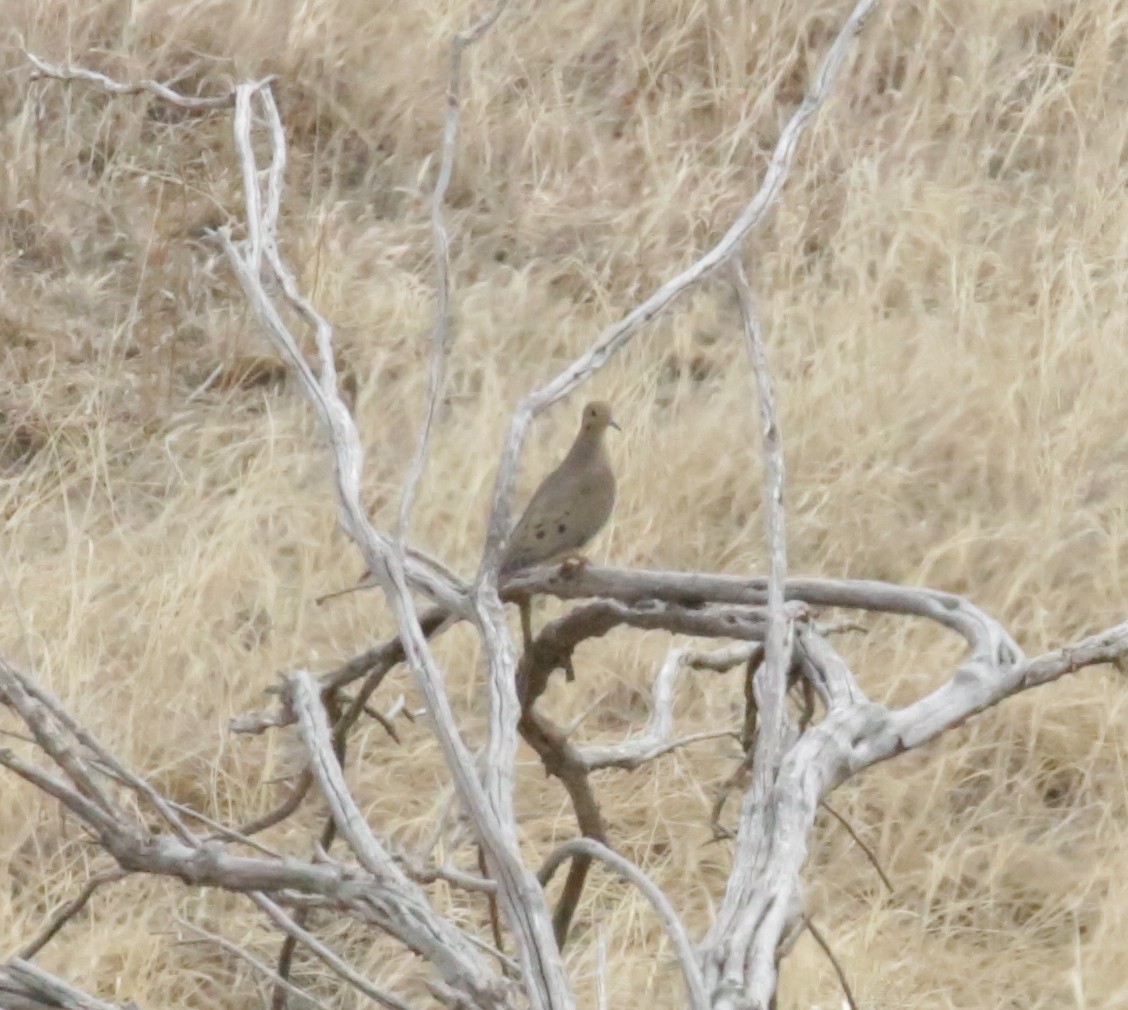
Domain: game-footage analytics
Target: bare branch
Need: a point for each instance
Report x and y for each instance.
(490, 808)
(26, 986)
(683, 948)
(43, 69)
(989, 640)
(105, 759)
(619, 334)
(442, 942)
(332, 961)
(69, 910)
(842, 980)
(245, 955)
(38, 718)
(441, 331)
(771, 675)
(975, 687)
(657, 738)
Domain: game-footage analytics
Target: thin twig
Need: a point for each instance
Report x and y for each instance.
(284, 809)
(870, 854)
(842, 980)
(441, 338)
(332, 961)
(50, 70)
(683, 947)
(254, 962)
(70, 909)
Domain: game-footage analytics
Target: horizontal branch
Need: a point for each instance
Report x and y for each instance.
(43, 69)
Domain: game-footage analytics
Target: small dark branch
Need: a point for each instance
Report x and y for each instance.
(562, 760)
(842, 980)
(377, 716)
(737, 781)
(344, 723)
(553, 647)
(827, 671)
(283, 985)
(69, 910)
(870, 854)
(286, 808)
(379, 660)
(525, 605)
(491, 905)
(373, 664)
(751, 710)
(806, 704)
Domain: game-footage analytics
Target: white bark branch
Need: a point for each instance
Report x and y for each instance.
(442, 943)
(441, 338)
(619, 334)
(45, 69)
(489, 807)
(771, 677)
(26, 986)
(683, 948)
(657, 738)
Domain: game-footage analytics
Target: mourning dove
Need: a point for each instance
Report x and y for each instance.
(572, 503)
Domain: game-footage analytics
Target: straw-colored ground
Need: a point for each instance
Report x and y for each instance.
(943, 292)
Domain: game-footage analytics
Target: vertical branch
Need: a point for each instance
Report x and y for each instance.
(441, 338)
(244, 94)
(770, 680)
(763, 897)
(491, 808)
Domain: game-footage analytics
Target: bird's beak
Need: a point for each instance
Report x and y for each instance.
(614, 424)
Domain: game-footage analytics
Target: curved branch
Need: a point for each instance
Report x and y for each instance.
(657, 737)
(988, 639)
(694, 980)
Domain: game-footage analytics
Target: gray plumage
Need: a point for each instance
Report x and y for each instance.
(572, 503)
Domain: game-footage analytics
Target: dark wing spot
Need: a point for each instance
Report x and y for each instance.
(561, 528)
(540, 534)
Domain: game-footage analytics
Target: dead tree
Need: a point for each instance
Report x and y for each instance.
(791, 763)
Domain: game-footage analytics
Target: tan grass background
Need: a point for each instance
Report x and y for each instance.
(942, 288)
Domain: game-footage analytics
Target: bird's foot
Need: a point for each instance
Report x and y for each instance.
(572, 566)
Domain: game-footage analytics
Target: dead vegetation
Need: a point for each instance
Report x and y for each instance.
(941, 291)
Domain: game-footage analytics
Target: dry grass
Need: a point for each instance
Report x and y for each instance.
(942, 288)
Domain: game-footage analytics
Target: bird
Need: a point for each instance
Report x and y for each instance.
(572, 503)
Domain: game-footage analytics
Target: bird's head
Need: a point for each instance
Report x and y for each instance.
(597, 418)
